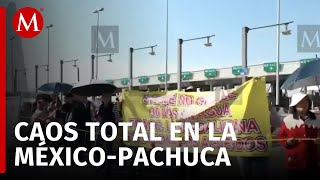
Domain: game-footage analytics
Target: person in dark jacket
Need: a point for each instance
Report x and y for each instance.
(67, 107)
(66, 113)
(79, 116)
(108, 112)
(88, 113)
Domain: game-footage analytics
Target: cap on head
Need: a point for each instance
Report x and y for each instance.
(296, 98)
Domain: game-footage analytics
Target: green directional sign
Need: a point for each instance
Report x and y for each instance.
(210, 73)
(270, 67)
(162, 77)
(305, 61)
(186, 76)
(144, 79)
(125, 81)
(109, 82)
(236, 70)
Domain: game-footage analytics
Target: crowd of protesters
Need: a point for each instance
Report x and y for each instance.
(298, 133)
(49, 108)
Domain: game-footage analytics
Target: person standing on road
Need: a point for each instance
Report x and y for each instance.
(108, 112)
(300, 136)
(40, 112)
(89, 115)
(79, 116)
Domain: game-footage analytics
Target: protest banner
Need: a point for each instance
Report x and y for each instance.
(245, 107)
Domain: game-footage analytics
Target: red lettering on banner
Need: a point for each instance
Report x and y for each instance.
(253, 126)
(164, 112)
(226, 110)
(145, 99)
(209, 112)
(205, 142)
(244, 126)
(159, 99)
(170, 113)
(159, 126)
(244, 144)
(172, 100)
(220, 110)
(231, 96)
(239, 145)
(154, 112)
(134, 122)
(168, 126)
(186, 100)
(204, 128)
(201, 101)
(250, 144)
(146, 124)
(262, 144)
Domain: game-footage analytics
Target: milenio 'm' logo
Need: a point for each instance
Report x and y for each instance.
(28, 22)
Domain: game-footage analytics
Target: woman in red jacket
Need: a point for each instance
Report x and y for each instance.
(299, 135)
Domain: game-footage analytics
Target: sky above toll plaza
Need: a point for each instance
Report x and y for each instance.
(143, 23)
